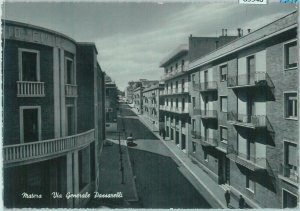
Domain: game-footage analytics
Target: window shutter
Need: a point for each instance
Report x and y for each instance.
(292, 155)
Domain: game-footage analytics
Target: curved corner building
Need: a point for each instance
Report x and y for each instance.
(53, 117)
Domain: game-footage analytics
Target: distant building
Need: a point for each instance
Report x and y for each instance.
(151, 104)
(111, 104)
(245, 115)
(176, 96)
(53, 125)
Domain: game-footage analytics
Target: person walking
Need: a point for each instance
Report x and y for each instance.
(164, 134)
(227, 198)
(241, 202)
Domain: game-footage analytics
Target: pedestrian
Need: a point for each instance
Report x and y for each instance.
(241, 202)
(164, 134)
(227, 198)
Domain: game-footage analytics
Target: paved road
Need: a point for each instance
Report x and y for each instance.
(159, 181)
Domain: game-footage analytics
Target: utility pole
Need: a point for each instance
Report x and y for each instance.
(121, 159)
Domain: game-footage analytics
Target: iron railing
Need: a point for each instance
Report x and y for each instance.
(247, 120)
(252, 79)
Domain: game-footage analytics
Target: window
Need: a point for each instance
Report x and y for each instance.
(182, 65)
(30, 123)
(290, 160)
(193, 80)
(29, 65)
(193, 125)
(224, 134)
(194, 147)
(176, 102)
(290, 55)
(107, 92)
(205, 156)
(249, 183)
(291, 105)
(70, 73)
(182, 84)
(176, 66)
(223, 104)
(289, 200)
(183, 104)
(194, 102)
(223, 72)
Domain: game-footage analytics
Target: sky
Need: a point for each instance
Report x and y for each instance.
(132, 38)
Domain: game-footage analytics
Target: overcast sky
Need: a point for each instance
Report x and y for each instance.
(132, 38)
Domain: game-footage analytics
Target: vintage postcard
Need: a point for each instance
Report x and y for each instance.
(150, 104)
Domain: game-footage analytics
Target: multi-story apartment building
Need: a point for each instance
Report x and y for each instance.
(151, 103)
(53, 117)
(244, 115)
(137, 98)
(138, 88)
(111, 104)
(176, 96)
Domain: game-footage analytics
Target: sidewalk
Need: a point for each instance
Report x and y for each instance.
(110, 174)
(201, 181)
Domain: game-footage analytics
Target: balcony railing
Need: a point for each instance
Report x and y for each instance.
(180, 110)
(206, 141)
(253, 79)
(251, 162)
(205, 86)
(209, 114)
(246, 120)
(71, 90)
(26, 152)
(30, 89)
(289, 173)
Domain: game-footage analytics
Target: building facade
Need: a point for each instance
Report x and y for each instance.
(151, 104)
(244, 115)
(176, 94)
(111, 104)
(53, 117)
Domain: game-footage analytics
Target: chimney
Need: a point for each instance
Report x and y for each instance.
(225, 32)
(249, 30)
(217, 44)
(191, 35)
(239, 32)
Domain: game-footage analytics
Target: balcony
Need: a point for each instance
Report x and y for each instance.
(250, 162)
(19, 154)
(289, 174)
(257, 79)
(174, 92)
(71, 90)
(206, 86)
(30, 89)
(245, 120)
(180, 110)
(208, 142)
(209, 114)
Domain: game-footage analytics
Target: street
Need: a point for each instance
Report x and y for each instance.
(159, 180)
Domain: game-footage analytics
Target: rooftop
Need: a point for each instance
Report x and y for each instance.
(179, 51)
(280, 25)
